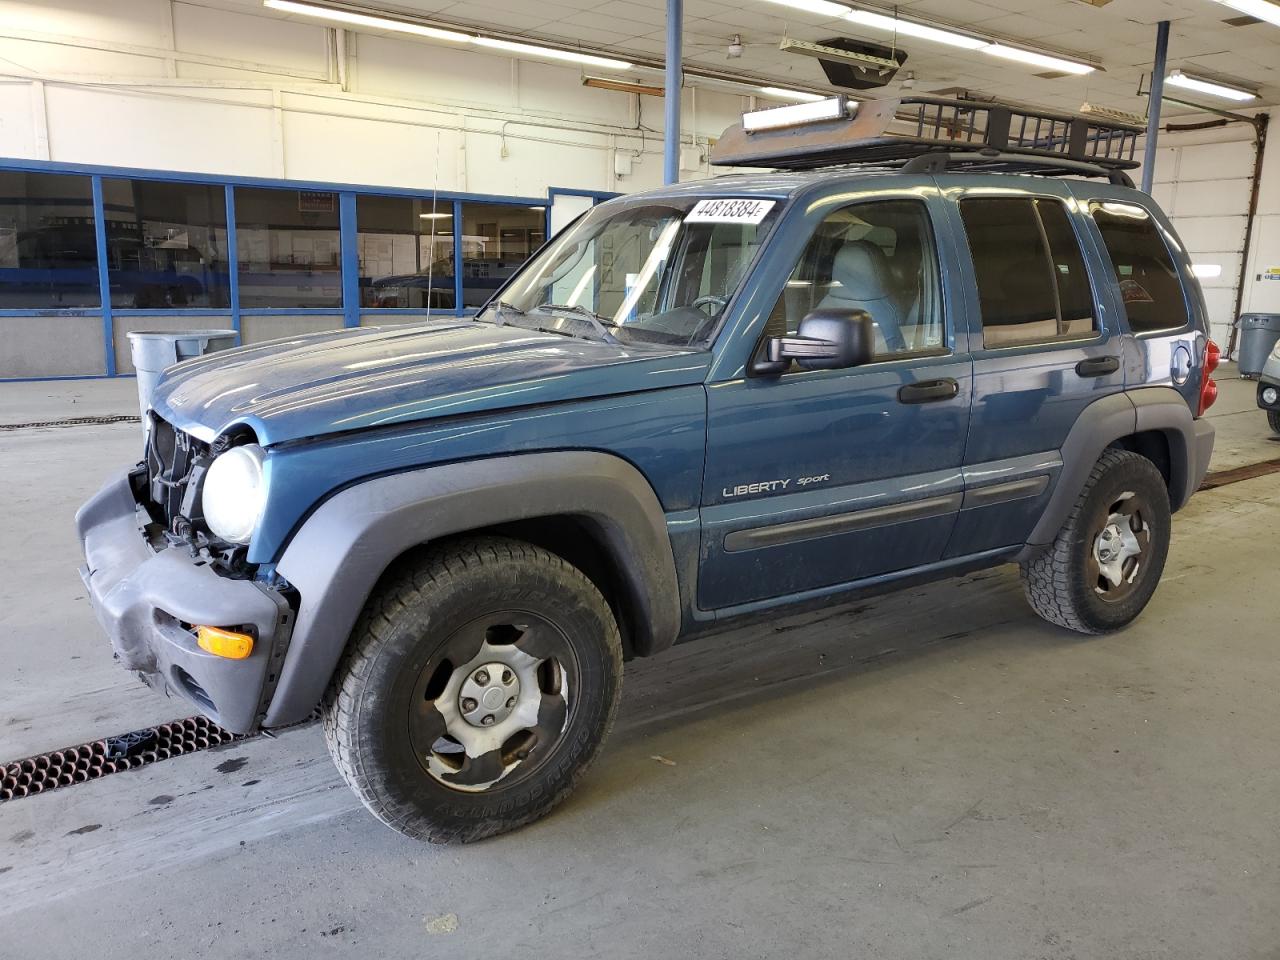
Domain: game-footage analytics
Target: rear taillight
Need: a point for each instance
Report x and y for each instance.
(1208, 387)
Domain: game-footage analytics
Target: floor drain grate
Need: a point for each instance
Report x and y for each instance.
(73, 422)
(90, 761)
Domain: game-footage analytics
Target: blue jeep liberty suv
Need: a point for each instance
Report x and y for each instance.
(900, 356)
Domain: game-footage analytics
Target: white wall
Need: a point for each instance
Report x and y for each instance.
(177, 85)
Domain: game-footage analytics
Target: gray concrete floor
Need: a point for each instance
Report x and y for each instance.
(931, 774)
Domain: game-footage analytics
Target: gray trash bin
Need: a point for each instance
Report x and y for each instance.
(1259, 333)
(154, 350)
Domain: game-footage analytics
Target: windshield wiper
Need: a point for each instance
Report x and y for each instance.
(597, 322)
(502, 307)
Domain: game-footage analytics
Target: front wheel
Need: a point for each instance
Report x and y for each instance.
(1273, 420)
(479, 685)
(1106, 561)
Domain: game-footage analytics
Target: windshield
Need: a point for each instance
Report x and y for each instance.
(659, 272)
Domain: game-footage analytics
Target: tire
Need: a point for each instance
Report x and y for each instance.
(1069, 584)
(1273, 420)
(394, 715)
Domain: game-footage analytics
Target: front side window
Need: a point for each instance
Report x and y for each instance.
(1032, 284)
(659, 271)
(1149, 284)
(876, 256)
(166, 244)
(48, 247)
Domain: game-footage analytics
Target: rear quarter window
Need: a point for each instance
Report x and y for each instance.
(1149, 282)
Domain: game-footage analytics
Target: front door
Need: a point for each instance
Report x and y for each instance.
(820, 478)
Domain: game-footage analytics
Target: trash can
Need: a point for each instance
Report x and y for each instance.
(154, 350)
(1259, 333)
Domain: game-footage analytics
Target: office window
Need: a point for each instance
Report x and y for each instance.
(289, 248)
(496, 240)
(1149, 284)
(877, 256)
(48, 249)
(1031, 278)
(406, 252)
(166, 244)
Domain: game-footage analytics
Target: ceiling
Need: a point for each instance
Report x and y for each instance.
(1120, 35)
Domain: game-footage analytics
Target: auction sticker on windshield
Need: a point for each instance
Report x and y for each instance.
(729, 210)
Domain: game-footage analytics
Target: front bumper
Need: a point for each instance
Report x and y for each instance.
(146, 599)
(1270, 379)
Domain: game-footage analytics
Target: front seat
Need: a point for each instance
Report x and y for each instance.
(861, 280)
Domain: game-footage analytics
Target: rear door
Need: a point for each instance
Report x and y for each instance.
(819, 478)
(1044, 348)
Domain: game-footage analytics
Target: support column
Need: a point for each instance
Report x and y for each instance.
(1153, 104)
(671, 93)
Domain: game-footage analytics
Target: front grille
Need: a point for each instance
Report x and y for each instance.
(176, 462)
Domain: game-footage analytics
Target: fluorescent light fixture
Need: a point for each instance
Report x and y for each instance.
(908, 28)
(533, 50)
(436, 33)
(775, 118)
(1261, 9)
(1037, 59)
(1180, 79)
(435, 216)
(1206, 271)
(366, 20)
(823, 8)
(792, 94)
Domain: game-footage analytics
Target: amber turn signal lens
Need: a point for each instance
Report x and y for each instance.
(224, 643)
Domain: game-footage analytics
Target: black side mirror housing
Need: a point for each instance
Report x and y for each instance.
(828, 339)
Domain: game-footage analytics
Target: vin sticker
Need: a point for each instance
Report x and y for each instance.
(728, 210)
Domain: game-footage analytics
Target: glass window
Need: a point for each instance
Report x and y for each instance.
(166, 243)
(406, 252)
(1031, 278)
(496, 240)
(1149, 284)
(879, 257)
(48, 249)
(289, 248)
(639, 271)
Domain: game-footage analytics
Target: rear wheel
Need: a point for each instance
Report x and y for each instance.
(1273, 419)
(479, 685)
(1106, 561)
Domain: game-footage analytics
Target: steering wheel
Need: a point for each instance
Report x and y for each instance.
(710, 299)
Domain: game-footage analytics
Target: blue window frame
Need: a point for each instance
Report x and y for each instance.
(225, 226)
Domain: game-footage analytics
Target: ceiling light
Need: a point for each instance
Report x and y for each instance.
(792, 94)
(1206, 271)
(908, 28)
(1180, 79)
(1256, 8)
(552, 53)
(366, 20)
(436, 33)
(793, 115)
(824, 8)
(1038, 59)
(435, 216)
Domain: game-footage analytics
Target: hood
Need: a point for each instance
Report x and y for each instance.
(354, 379)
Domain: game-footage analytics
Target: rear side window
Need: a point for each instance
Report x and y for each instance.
(1149, 284)
(1032, 284)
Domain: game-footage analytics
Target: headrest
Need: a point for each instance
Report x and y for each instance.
(862, 270)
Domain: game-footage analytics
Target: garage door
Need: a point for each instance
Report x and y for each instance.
(1205, 190)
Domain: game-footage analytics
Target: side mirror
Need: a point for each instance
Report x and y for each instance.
(827, 340)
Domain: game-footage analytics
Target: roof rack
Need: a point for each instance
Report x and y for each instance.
(930, 135)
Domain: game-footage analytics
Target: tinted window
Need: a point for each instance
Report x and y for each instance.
(48, 250)
(289, 248)
(406, 252)
(496, 240)
(166, 243)
(1031, 278)
(1149, 284)
(879, 257)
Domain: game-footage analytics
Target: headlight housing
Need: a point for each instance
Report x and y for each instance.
(235, 493)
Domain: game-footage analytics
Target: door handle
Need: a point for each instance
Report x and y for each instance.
(1098, 366)
(928, 391)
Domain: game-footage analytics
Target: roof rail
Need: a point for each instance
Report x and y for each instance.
(970, 133)
(987, 160)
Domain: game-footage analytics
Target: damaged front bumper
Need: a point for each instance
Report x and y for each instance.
(148, 599)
